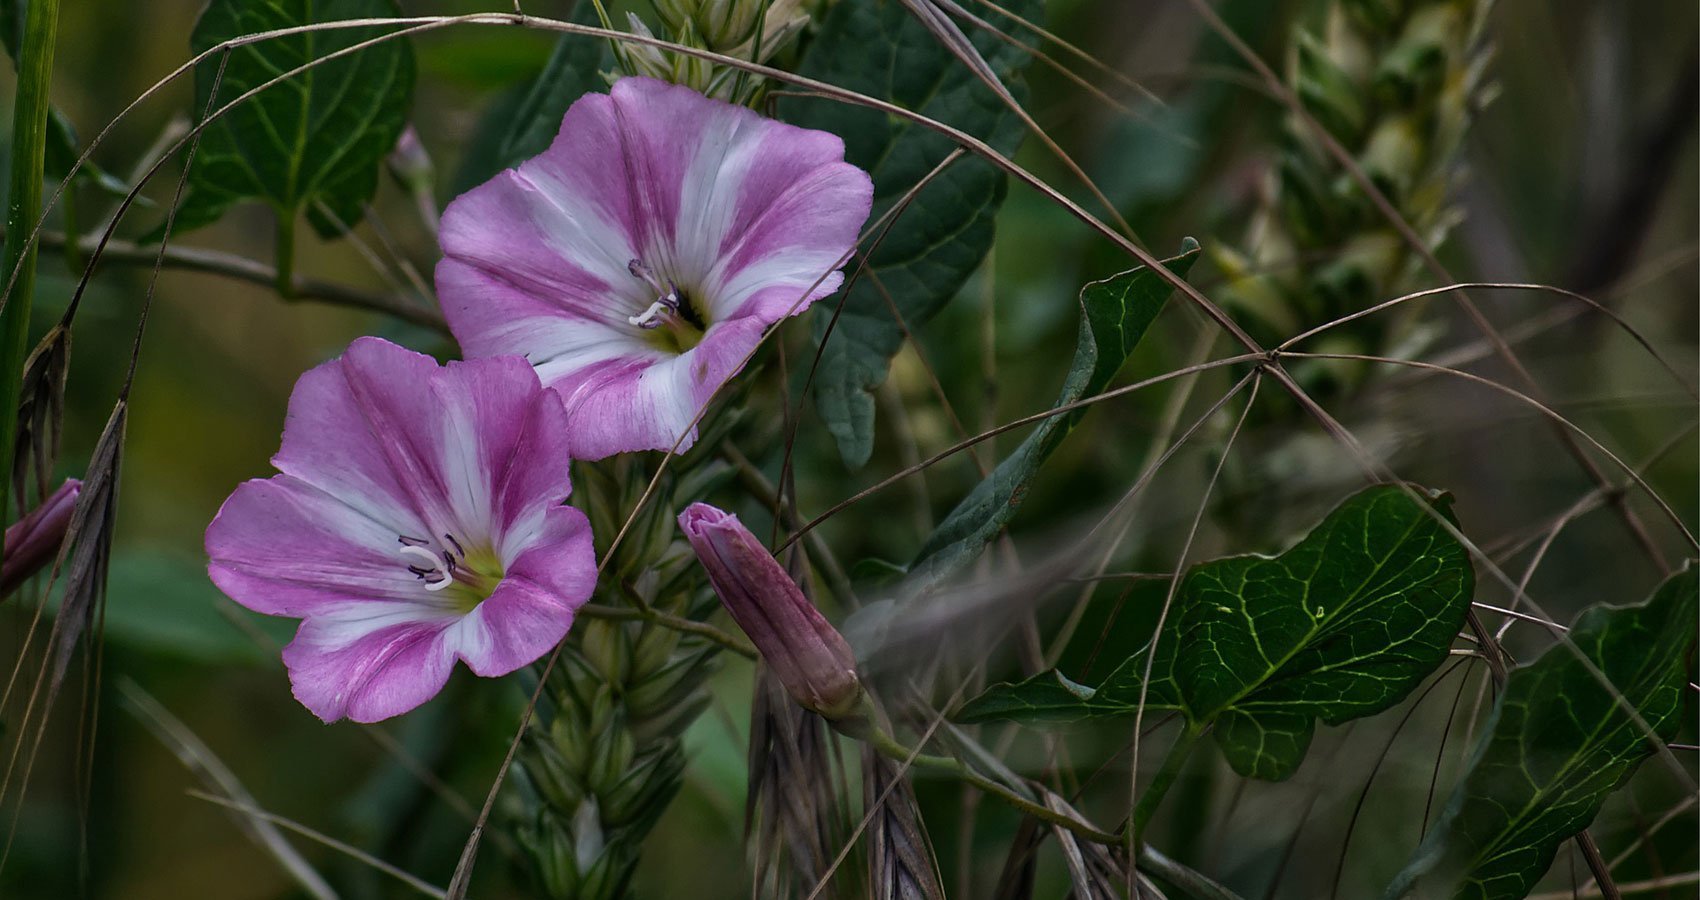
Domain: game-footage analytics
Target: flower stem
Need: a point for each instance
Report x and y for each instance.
(665, 620)
(1153, 795)
(888, 746)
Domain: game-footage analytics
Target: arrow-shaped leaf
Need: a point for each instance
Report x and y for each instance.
(1115, 313)
(1343, 625)
(1559, 742)
(879, 48)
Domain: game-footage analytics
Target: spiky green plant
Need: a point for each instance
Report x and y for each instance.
(1395, 84)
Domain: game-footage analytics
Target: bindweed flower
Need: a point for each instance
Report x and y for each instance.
(418, 519)
(638, 260)
(33, 541)
(802, 649)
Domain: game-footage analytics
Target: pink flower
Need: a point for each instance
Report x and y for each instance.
(808, 656)
(33, 541)
(418, 519)
(638, 260)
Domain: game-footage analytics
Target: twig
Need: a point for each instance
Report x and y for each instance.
(665, 620)
(241, 268)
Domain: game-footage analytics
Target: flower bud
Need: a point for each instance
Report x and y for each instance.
(804, 651)
(409, 163)
(33, 541)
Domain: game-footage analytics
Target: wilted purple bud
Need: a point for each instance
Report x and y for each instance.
(807, 654)
(33, 541)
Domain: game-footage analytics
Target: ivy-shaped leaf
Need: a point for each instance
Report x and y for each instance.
(1343, 625)
(1115, 313)
(317, 138)
(1558, 743)
(522, 123)
(879, 48)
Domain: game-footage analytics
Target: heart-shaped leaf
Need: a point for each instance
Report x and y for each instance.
(1343, 625)
(879, 48)
(1115, 313)
(1561, 739)
(319, 137)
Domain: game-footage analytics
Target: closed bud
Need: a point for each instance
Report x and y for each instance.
(409, 163)
(33, 541)
(808, 656)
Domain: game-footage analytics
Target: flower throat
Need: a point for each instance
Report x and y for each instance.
(671, 323)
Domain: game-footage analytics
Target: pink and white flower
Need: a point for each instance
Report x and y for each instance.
(418, 518)
(638, 261)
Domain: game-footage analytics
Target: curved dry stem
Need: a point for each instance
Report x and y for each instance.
(1622, 323)
(960, 446)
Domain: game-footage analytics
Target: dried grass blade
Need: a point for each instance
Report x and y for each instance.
(901, 862)
(86, 553)
(41, 415)
(199, 759)
(795, 809)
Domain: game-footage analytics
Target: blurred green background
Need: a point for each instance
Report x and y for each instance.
(1567, 185)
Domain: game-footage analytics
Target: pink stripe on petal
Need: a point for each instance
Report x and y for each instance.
(369, 663)
(285, 548)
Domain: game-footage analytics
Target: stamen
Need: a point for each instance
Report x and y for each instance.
(657, 314)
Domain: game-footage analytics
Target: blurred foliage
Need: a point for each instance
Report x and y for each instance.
(1567, 149)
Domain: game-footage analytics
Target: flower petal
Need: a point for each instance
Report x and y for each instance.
(283, 547)
(413, 445)
(652, 406)
(531, 610)
(749, 217)
(368, 660)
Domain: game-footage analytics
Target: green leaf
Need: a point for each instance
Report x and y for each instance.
(522, 123)
(1050, 698)
(319, 137)
(877, 47)
(1343, 625)
(1115, 313)
(1558, 743)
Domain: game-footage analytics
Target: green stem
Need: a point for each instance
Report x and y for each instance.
(887, 746)
(29, 156)
(1153, 795)
(666, 620)
(1193, 884)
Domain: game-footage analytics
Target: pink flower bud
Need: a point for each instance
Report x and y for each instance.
(33, 541)
(807, 654)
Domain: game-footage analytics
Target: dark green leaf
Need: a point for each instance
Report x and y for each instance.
(1343, 625)
(1115, 313)
(319, 137)
(1558, 743)
(1050, 698)
(877, 47)
(522, 124)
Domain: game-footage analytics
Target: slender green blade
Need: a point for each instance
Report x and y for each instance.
(1115, 314)
(1559, 742)
(878, 48)
(30, 114)
(318, 138)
